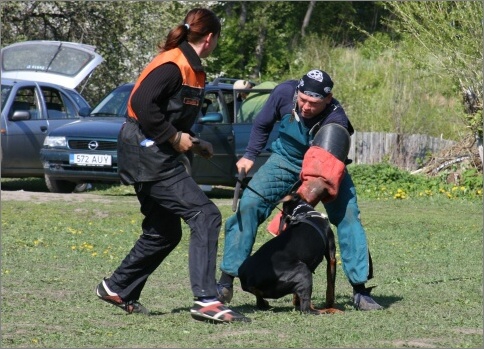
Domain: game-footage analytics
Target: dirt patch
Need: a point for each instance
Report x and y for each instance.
(31, 196)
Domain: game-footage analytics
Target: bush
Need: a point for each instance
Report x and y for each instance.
(386, 181)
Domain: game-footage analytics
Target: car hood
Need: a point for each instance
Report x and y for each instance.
(63, 63)
(91, 127)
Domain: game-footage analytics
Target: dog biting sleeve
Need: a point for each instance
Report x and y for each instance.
(321, 176)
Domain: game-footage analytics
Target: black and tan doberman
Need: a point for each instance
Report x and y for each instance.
(285, 264)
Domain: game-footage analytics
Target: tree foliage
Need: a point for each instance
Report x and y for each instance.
(450, 33)
(259, 38)
(125, 33)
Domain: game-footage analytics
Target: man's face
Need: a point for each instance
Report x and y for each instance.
(310, 107)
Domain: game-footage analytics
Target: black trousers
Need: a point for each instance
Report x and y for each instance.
(164, 203)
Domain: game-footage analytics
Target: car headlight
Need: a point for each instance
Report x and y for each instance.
(55, 142)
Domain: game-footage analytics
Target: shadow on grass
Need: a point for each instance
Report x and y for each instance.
(342, 303)
(26, 184)
(385, 301)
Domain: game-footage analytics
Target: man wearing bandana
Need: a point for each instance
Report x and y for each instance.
(303, 107)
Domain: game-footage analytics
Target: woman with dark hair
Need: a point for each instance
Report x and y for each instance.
(163, 106)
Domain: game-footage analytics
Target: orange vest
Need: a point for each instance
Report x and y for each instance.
(192, 80)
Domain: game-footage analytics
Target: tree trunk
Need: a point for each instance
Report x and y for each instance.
(307, 17)
(480, 148)
(259, 51)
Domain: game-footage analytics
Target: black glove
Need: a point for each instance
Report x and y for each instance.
(202, 148)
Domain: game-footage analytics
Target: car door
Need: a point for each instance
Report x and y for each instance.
(47, 108)
(215, 126)
(24, 133)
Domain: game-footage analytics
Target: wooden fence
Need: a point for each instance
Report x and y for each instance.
(405, 151)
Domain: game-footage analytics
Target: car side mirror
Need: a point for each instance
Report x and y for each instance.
(20, 115)
(85, 111)
(211, 117)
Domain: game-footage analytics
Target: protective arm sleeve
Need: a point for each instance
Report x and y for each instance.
(321, 176)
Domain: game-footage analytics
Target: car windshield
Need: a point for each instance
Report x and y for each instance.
(5, 92)
(114, 104)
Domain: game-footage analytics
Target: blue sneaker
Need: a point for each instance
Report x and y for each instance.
(224, 293)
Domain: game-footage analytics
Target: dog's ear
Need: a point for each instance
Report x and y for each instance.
(290, 202)
(294, 197)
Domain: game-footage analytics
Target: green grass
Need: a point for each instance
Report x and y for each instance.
(428, 271)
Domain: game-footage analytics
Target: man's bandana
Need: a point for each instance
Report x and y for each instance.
(316, 83)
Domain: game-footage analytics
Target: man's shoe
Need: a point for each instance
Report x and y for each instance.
(363, 301)
(224, 293)
(105, 294)
(215, 312)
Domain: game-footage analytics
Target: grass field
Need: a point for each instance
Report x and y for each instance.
(428, 272)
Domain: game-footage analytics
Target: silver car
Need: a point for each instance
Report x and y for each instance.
(37, 88)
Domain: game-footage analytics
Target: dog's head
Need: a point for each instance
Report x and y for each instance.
(292, 201)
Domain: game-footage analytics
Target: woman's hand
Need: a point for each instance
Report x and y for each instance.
(202, 148)
(181, 142)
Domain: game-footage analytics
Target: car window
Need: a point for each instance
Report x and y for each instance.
(114, 104)
(211, 103)
(5, 93)
(71, 111)
(26, 99)
(58, 105)
(214, 102)
(230, 102)
(77, 98)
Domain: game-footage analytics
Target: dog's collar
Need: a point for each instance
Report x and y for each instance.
(312, 213)
(304, 218)
(304, 215)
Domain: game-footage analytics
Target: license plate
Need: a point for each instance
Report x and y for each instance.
(90, 159)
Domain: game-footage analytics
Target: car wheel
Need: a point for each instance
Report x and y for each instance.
(58, 186)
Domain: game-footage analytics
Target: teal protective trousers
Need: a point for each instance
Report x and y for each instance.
(272, 182)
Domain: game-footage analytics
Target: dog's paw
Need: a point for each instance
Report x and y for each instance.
(262, 304)
(330, 311)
